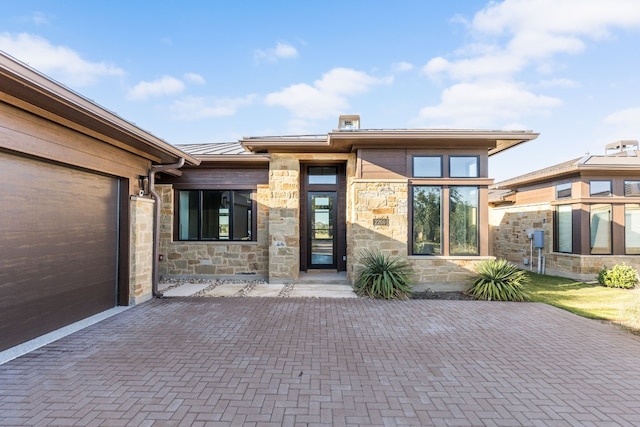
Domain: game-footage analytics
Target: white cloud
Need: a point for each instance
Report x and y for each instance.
(280, 51)
(625, 124)
(166, 85)
(326, 97)
(59, 62)
(486, 104)
(194, 78)
(514, 37)
(39, 18)
(402, 66)
(196, 108)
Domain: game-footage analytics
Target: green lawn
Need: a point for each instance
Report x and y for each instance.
(621, 306)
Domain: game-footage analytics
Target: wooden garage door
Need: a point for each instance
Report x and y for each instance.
(58, 247)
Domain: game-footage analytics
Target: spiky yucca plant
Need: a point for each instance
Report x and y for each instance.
(498, 280)
(383, 277)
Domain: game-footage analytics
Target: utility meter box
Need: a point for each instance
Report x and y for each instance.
(538, 239)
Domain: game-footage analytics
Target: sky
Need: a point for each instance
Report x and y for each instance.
(215, 71)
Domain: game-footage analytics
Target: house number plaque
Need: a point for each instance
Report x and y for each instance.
(381, 221)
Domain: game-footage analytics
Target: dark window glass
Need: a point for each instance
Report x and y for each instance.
(427, 166)
(563, 190)
(600, 188)
(632, 188)
(214, 215)
(464, 166)
(427, 214)
(463, 220)
(320, 175)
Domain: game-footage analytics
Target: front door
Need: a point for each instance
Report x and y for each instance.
(322, 226)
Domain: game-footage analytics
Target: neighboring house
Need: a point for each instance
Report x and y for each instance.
(588, 210)
(75, 218)
(279, 207)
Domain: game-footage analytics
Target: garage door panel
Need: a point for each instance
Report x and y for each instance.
(58, 254)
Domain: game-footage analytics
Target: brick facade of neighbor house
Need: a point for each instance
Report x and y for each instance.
(533, 202)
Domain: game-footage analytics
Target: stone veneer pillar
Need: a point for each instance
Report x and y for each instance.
(284, 216)
(141, 249)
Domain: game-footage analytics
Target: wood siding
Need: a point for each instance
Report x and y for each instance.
(219, 178)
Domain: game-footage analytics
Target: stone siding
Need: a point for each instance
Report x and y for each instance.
(220, 259)
(508, 225)
(380, 222)
(284, 218)
(141, 213)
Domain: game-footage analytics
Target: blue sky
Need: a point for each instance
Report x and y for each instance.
(215, 71)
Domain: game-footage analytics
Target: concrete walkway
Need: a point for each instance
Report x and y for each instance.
(329, 361)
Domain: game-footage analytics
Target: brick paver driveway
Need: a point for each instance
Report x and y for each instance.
(270, 361)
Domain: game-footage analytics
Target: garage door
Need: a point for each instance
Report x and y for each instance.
(58, 247)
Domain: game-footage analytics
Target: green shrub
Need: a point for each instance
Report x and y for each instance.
(620, 276)
(498, 280)
(383, 277)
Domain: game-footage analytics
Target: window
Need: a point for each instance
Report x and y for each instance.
(427, 166)
(427, 232)
(563, 190)
(322, 175)
(600, 188)
(600, 226)
(564, 229)
(632, 229)
(463, 220)
(632, 188)
(464, 166)
(214, 215)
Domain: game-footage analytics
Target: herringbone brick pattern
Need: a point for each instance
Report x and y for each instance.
(307, 362)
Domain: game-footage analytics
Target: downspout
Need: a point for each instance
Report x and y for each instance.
(156, 221)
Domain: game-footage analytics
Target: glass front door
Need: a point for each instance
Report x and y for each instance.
(322, 227)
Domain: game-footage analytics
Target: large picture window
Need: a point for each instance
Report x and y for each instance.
(600, 225)
(564, 229)
(463, 220)
(427, 231)
(214, 215)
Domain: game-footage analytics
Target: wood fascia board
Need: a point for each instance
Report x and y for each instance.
(43, 89)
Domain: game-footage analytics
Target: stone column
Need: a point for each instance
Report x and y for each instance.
(284, 217)
(141, 249)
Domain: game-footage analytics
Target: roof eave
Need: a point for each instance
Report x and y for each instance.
(68, 108)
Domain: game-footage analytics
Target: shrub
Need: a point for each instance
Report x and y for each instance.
(383, 277)
(498, 280)
(620, 276)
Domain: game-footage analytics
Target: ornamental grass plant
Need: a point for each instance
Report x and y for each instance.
(498, 280)
(382, 276)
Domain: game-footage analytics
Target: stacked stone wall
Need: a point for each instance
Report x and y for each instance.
(141, 213)
(284, 218)
(380, 222)
(220, 259)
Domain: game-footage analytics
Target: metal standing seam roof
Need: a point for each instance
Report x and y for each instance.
(214, 149)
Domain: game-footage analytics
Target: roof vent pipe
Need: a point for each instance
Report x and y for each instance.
(156, 220)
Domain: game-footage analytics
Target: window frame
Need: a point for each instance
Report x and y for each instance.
(477, 164)
(414, 189)
(436, 156)
(565, 186)
(608, 230)
(476, 220)
(628, 183)
(599, 194)
(252, 211)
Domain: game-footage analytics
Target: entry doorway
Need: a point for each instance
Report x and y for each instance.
(322, 230)
(322, 217)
